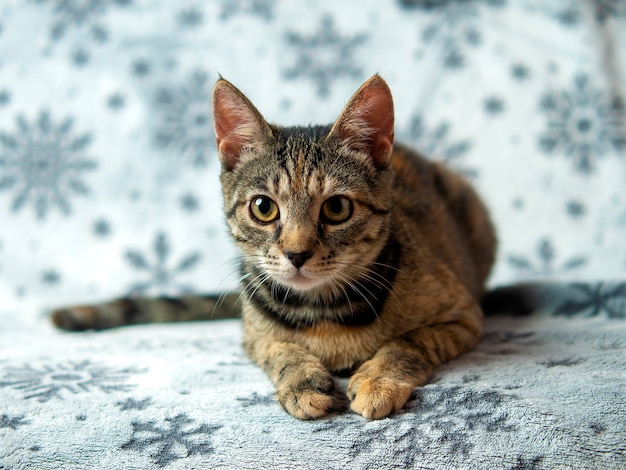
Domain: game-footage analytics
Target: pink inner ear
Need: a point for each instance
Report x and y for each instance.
(225, 122)
(367, 123)
(236, 123)
(380, 118)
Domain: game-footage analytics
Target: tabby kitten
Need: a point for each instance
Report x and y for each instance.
(358, 255)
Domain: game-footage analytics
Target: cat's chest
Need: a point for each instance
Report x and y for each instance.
(340, 347)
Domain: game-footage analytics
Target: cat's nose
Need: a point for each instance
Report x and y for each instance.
(298, 259)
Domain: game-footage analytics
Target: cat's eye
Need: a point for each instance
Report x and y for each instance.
(336, 210)
(264, 210)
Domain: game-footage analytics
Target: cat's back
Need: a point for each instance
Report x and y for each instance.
(440, 211)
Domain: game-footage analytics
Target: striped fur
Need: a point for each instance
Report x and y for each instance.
(357, 254)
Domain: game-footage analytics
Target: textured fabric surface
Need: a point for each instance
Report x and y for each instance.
(544, 391)
(109, 186)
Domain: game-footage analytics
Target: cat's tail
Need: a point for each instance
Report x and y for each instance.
(516, 299)
(136, 310)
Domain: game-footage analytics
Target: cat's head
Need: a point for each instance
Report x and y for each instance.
(308, 206)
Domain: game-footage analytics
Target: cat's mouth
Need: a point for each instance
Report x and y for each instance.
(299, 279)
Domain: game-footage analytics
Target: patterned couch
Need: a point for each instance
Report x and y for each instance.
(109, 186)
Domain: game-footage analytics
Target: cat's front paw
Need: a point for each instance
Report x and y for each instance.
(309, 396)
(376, 397)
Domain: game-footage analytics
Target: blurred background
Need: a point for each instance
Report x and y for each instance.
(108, 169)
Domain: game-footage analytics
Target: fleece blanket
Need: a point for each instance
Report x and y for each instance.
(109, 187)
(543, 391)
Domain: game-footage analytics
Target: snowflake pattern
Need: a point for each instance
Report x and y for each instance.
(177, 439)
(56, 380)
(77, 13)
(116, 101)
(324, 55)
(102, 228)
(570, 13)
(436, 143)
(257, 400)
(439, 416)
(186, 124)
(80, 57)
(493, 105)
(260, 8)
(132, 404)
(44, 163)
(605, 9)
(520, 72)
(453, 27)
(567, 362)
(191, 17)
(141, 68)
(161, 277)
(546, 263)
(51, 277)
(189, 203)
(575, 209)
(14, 422)
(584, 124)
(5, 97)
(529, 463)
(591, 300)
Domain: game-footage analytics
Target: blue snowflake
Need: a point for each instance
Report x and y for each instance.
(453, 27)
(190, 17)
(435, 142)
(324, 55)
(80, 57)
(534, 462)
(520, 72)
(493, 105)
(53, 380)
(50, 277)
(186, 124)
(99, 34)
(101, 228)
(261, 8)
(571, 13)
(546, 263)
(141, 68)
(575, 209)
(7, 421)
(584, 124)
(5, 97)
(177, 439)
(435, 4)
(257, 400)
(441, 417)
(605, 9)
(189, 203)
(161, 278)
(591, 300)
(132, 404)
(76, 13)
(116, 101)
(43, 163)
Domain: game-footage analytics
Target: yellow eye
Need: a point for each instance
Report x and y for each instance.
(336, 210)
(264, 210)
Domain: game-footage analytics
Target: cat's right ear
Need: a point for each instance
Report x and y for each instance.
(239, 127)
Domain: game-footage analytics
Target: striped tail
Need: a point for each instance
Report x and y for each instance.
(136, 310)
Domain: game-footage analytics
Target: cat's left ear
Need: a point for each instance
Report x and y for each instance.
(239, 127)
(366, 123)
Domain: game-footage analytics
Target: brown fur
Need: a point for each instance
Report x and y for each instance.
(389, 293)
(431, 218)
